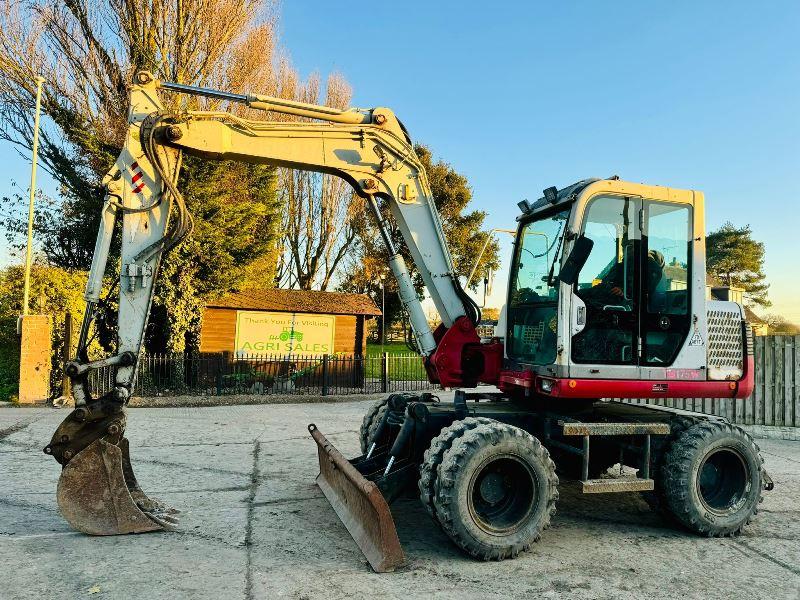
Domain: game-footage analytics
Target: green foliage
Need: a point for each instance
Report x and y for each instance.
(393, 348)
(463, 231)
(737, 260)
(175, 315)
(9, 358)
(54, 291)
(235, 206)
(452, 195)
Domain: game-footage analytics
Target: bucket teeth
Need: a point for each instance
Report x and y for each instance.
(98, 494)
(165, 519)
(152, 507)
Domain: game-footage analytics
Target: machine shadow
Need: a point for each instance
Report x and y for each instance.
(621, 514)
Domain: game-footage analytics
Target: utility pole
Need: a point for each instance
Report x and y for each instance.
(34, 330)
(383, 312)
(29, 250)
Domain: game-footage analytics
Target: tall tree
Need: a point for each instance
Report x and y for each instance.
(736, 259)
(780, 324)
(462, 228)
(88, 53)
(321, 219)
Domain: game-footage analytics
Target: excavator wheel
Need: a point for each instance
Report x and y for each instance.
(713, 478)
(373, 417)
(433, 458)
(660, 447)
(496, 491)
(370, 422)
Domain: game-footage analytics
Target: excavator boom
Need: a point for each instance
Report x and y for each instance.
(370, 149)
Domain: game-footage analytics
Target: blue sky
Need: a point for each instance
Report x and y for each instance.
(520, 96)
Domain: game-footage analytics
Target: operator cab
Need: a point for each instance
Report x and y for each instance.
(608, 282)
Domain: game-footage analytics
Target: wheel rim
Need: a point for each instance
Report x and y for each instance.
(723, 480)
(502, 494)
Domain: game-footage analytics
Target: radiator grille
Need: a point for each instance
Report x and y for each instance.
(725, 339)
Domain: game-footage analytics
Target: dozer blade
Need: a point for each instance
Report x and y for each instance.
(360, 506)
(98, 493)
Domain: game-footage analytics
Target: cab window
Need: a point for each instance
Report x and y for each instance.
(666, 280)
(533, 290)
(607, 283)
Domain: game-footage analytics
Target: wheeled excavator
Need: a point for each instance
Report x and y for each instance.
(606, 300)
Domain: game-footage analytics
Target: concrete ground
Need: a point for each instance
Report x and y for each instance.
(254, 525)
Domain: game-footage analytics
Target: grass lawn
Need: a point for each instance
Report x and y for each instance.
(404, 364)
(392, 348)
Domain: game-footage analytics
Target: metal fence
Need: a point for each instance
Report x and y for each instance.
(226, 374)
(775, 400)
(776, 397)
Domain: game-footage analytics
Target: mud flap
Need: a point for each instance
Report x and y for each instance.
(360, 506)
(98, 494)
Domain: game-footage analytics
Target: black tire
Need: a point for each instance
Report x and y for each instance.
(660, 445)
(428, 470)
(496, 491)
(370, 422)
(712, 479)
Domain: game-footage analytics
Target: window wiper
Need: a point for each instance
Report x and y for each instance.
(555, 257)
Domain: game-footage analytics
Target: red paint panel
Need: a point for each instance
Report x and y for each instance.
(747, 382)
(138, 188)
(136, 177)
(625, 388)
(460, 359)
(518, 378)
(447, 361)
(492, 360)
(630, 388)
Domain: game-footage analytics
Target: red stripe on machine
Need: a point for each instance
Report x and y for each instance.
(622, 388)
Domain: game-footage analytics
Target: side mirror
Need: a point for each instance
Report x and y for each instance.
(576, 259)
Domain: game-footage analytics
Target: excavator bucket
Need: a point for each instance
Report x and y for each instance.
(98, 493)
(360, 506)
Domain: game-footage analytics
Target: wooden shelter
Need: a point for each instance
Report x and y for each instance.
(275, 321)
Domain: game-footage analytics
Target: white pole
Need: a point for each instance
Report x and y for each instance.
(480, 254)
(383, 313)
(29, 249)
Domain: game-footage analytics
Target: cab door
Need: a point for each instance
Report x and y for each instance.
(607, 298)
(666, 282)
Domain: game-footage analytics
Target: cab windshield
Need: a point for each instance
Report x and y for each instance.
(533, 290)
